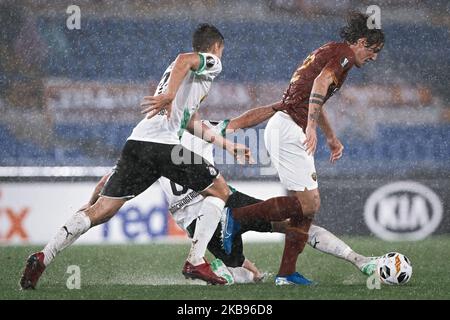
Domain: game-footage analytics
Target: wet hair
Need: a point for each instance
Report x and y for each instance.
(356, 28)
(205, 36)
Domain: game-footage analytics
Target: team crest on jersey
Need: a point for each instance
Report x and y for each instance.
(314, 176)
(210, 62)
(344, 62)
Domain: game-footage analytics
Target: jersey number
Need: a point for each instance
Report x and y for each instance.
(305, 64)
(161, 86)
(177, 192)
(163, 83)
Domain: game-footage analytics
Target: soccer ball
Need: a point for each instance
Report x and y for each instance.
(394, 268)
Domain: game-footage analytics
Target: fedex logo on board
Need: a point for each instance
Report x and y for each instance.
(12, 223)
(141, 220)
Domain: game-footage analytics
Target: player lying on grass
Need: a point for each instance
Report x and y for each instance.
(185, 204)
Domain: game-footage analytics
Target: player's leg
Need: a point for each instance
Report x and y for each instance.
(208, 219)
(280, 208)
(273, 209)
(232, 252)
(231, 267)
(129, 178)
(234, 259)
(319, 238)
(202, 177)
(72, 229)
(62, 240)
(284, 141)
(101, 211)
(323, 240)
(262, 212)
(297, 237)
(233, 224)
(242, 270)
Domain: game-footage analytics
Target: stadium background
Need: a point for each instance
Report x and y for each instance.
(69, 99)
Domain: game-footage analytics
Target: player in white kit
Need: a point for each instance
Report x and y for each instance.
(153, 150)
(231, 263)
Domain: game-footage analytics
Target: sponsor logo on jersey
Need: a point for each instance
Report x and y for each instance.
(210, 62)
(184, 202)
(404, 210)
(344, 62)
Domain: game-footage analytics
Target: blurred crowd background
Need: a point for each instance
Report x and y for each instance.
(71, 97)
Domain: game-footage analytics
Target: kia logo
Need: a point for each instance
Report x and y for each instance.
(404, 210)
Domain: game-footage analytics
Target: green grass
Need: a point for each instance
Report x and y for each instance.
(154, 272)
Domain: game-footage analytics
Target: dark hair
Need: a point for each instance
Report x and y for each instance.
(205, 35)
(356, 28)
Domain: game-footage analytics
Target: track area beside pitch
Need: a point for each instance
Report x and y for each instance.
(154, 272)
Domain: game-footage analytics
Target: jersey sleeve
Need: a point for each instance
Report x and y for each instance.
(210, 65)
(219, 127)
(338, 64)
(222, 127)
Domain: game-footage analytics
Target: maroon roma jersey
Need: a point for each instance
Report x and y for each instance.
(335, 56)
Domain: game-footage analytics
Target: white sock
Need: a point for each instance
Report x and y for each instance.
(324, 241)
(77, 224)
(206, 225)
(357, 259)
(242, 275)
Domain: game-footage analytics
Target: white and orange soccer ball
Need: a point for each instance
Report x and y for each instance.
(394, 268)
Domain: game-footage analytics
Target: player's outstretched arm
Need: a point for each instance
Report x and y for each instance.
(316, 100)
(334, 144)
(253, 117)
(199, 129)
(183, 64)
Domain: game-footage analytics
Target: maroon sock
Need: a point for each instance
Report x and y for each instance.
(274, 209)
(294, 243)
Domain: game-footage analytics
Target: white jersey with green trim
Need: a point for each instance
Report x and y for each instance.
(193, 90)
(180, 197)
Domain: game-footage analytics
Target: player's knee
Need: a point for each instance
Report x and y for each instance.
(219, 189)
(103, 210)
(311, 208)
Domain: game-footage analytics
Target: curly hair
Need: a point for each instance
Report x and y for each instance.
(356, 28)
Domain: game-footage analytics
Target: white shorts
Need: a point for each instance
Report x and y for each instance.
(284, 142)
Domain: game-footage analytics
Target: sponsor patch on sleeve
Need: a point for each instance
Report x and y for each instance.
(210, 62)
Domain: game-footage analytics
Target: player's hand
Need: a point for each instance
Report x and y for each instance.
(336, 149)
(154, 104)
(240, 152)
(311, 140)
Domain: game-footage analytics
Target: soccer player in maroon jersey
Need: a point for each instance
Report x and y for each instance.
(291, 138)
